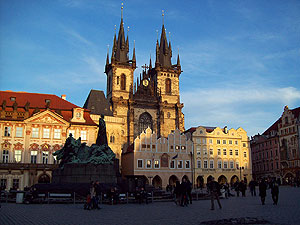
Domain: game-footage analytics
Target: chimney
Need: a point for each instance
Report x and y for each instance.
(63, 97)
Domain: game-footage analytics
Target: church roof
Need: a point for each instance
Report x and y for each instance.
(97, 103)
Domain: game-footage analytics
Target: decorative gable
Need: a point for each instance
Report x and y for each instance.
(78, 115)
(47, 117)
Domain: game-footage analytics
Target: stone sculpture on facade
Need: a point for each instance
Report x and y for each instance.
(76, 152)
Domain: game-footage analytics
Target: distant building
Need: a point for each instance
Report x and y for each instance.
(158, 161)
(265, 153)
(33, 126)
(221, 153)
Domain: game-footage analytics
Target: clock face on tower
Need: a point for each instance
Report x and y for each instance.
(145, 82)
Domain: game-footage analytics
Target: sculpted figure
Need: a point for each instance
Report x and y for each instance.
(102, 138)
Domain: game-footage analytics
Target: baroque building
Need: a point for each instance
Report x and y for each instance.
(153, 100)
(158, 161)
(33, 126)
(221, 153)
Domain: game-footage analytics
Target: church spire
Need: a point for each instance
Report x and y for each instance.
(150, 63)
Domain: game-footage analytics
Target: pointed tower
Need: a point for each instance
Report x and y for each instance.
(120, 71)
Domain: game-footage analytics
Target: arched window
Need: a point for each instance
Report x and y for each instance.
(168, 85)
(123, 82)
(145, 121)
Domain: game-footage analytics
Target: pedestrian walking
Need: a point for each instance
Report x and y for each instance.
(252, 185)
(214, 190)
(262, 191)
(236, 188)
(184, 192)
(275, 192)
(242, 188)
(177, 193)
(189, 191)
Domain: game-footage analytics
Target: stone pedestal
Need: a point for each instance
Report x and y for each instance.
(85, 173)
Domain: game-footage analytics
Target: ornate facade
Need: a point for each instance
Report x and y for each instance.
(32, 127)
(159, 161)
(221, 153)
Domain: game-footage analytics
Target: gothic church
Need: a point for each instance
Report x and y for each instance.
(130, 107)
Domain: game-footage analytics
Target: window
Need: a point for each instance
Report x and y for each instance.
(83, 135)
(149, 163)
(230, 142)
(210, 141)
(18, 155)
(33, 157)
(230, 152)
(5, 156)
(211, 151)
(244, 144)
(236, 142)
(35, 132)
(172, 164)
(224, 142)
(57, 133)
(3, 183)
(45, 157)
(198, 150)
(145, 121)
(19, 132)
(46, 133)
(219, 164)
(198, 163)
(211, 164)
(123, 82)
(224, 152)
(168, 86)
(179, 164)
(187, 164)
(15, 184)
(204, 141)
(139, 163)
(204, 151)
(231, 164)
(237, 165)
(198, 140)
(112, 139)
(236, 152)
(183, 147)
(7, 131)
(218, 142)
(177, 147)
(219, 151)
(205, 164)
(225, 165)
(156, 164)
(245, 154)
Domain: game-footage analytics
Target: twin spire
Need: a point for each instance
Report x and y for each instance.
(120, 49)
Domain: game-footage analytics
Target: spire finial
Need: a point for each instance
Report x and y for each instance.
(122, 10)
(107, 49)
(133, 43)
(157, 34)
(115, 28)
(169, 36)
(163, 14)
(128, 29)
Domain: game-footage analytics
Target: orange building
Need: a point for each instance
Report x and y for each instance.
(32, 127)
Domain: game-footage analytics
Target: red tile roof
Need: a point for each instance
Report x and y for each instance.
(37, 100)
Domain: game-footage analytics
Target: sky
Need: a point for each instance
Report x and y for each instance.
(240, 59)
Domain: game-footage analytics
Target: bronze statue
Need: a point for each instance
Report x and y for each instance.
(76, 152)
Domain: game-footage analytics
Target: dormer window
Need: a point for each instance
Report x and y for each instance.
(47, 100)
(78, 115)
(13, 99)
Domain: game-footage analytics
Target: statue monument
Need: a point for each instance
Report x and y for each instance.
(80, 163)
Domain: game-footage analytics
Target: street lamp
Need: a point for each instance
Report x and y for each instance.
(240, 168)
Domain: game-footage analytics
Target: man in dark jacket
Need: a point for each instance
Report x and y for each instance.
(214, 190)
(252, 185)
(184, 190)
(275, 192)
(262, 191)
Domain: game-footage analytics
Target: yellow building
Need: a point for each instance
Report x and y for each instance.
(33, 126)
(221, 153)
(159, 161)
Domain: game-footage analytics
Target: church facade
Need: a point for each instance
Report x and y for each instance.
(152, 100)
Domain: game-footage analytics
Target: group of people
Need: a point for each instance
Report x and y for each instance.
(93, 197)
(263, 186)
(183, 193)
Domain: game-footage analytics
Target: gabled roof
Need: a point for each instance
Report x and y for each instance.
(97, 103)
(193, 129)
(273, 127)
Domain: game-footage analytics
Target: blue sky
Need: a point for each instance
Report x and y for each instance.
(240, 59)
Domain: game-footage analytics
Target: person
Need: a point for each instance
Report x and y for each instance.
(242, 188)
(275, 192)
(97, 194)
(184, 191)
(226, 188)
(177, 193)
(88, 204)
(262, 191)
(214, 190)
(93, 195)
(252, 185)
(236, 188)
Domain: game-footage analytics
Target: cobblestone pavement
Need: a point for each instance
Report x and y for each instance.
(286, 212)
